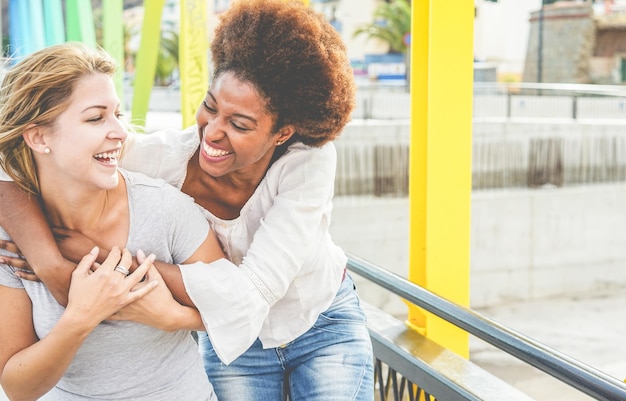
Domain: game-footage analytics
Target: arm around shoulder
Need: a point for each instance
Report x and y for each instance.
(22, 218)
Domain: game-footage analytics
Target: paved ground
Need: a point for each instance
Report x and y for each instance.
(590, 329)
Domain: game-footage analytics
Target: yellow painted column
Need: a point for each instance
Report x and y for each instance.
(440, 160)
(193, 48)
(146, 60)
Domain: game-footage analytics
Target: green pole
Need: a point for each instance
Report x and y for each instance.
(79, 20)
(53, 24)
(113, 40)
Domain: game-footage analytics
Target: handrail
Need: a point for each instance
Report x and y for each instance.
(574, 89)
(583, 377)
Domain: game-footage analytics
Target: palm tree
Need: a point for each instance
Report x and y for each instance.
(167, 61)
(392, 21)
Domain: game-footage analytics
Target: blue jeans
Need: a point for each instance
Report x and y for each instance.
(333, 361)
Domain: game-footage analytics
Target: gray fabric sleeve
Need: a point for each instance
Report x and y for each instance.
(7, 275)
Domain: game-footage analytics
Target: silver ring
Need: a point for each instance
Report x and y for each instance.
(122, 269)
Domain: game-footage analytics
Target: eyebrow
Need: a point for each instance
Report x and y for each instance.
(97, 106)
(247, 117)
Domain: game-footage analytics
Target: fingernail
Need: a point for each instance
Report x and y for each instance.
(94, 251)
(140, 253)
(152, 257)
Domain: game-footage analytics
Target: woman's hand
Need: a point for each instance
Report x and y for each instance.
(96, 295)
(159, 309)
(23, 268)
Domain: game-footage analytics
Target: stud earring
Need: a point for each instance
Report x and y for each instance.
(279, 143)
(46, 151)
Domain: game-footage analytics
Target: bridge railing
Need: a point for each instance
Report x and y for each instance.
(409, 366)
(503, 101)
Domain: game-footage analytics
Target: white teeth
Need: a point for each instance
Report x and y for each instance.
(214, 152)
(107, 155)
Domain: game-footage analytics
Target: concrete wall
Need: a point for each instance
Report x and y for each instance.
(525, 244)
(533, 244)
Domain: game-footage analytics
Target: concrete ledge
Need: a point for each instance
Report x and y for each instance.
(436, 370)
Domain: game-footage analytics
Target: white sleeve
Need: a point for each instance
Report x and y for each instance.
(232, 318)
(162, 154)
(295, 228)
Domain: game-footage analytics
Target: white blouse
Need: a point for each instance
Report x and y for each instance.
(285, 268)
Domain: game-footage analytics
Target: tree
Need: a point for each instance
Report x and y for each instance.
(167, 61)
(392, 21)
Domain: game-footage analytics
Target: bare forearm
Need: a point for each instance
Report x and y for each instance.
(174, 280)
(23, 220)
(185, 318)
(35, 370)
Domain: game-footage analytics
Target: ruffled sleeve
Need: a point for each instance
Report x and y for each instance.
(232, 309)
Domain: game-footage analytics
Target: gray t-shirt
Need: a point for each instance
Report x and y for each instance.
(127, 360)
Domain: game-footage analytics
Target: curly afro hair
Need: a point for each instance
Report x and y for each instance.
(295, 59)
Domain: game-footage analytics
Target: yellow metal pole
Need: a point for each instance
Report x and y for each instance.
(194, 52)
(440, 160)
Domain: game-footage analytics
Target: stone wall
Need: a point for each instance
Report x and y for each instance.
(565, 31)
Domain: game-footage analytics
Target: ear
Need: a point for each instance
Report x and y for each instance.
(284, 134)
(35, 138)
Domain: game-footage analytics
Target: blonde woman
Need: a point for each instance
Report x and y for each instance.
(121, 336)
(285, 316)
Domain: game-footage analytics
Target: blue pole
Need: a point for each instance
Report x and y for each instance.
(15, 31)
(35, 15)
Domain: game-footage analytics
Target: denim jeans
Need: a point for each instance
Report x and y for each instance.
(333, 361)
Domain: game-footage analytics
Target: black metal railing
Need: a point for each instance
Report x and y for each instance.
(578, 375)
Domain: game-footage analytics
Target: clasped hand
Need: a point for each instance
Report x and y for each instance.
(150, 301)
(72, 244)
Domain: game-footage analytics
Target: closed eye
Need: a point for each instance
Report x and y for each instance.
(207, 107)
(238, 127)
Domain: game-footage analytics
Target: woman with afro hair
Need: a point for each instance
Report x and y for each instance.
(282, 316)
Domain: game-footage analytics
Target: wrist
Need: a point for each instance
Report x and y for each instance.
(184, 318)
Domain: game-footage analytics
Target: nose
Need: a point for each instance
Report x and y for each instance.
(213, 129)
(118, 130)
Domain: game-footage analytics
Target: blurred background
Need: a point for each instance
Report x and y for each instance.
(548, 202)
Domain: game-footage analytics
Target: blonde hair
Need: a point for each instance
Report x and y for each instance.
(34, 92)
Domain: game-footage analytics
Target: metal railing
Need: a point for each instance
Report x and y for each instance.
(549, 101)
(417, 372)
(508, 100)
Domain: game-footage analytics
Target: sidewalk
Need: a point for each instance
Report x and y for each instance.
(591, 330)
